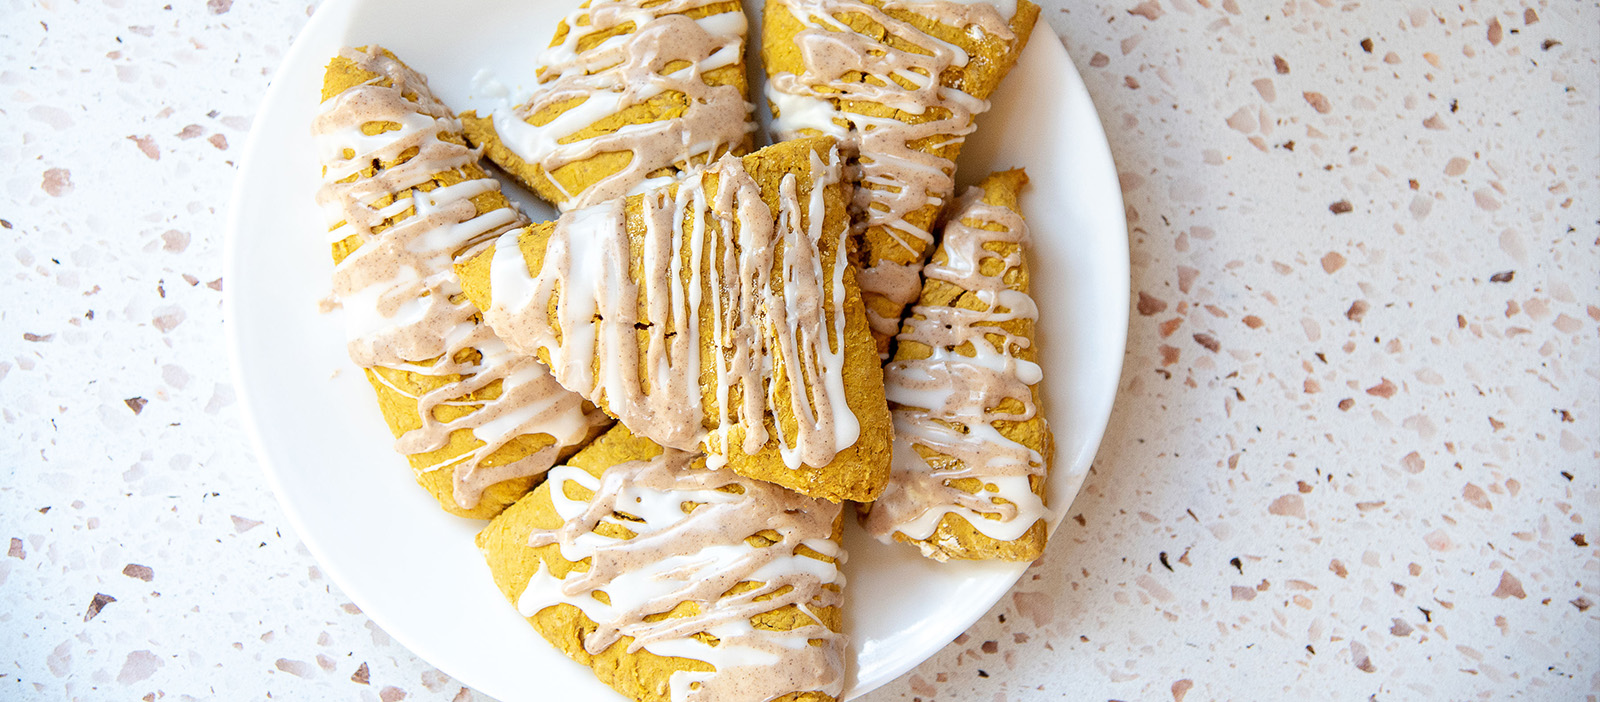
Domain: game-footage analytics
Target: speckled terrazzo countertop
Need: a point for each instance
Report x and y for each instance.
(1356, 452)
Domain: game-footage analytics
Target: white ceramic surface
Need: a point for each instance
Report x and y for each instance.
(413, 568)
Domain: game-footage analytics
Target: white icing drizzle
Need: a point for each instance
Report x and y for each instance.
(897, 178)
(629, 69)
(948, 403)
(707, 255)
(404, 307)
(689, 528)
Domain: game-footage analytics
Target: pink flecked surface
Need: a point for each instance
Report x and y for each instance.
(1356, 452)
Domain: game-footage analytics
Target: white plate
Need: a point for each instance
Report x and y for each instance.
(413, 568)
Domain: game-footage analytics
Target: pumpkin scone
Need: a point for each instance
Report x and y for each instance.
(719, 313)
(971, 449)
(630, 93)
(675, 582)
(900, 85)
(403, 196)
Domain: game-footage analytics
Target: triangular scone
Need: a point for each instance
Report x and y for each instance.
(630, 92)
(403, 196)
(899, 84)
(675, 582)
(717, 314)
(971, 449)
